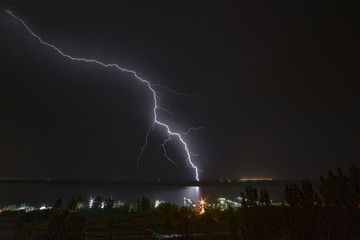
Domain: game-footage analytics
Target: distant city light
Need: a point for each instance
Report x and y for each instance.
(189, 202)
(254, 179)
(91, 202)
(43, 207)
(158, 203)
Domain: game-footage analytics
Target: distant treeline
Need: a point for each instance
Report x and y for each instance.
(331, 212)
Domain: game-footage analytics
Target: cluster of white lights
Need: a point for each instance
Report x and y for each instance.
(158, 203)
(43, 207)
(91, 202)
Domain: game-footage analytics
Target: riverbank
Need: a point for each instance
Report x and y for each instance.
(169, 221)
(331, 211)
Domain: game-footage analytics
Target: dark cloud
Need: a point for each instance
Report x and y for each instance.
(277, 80)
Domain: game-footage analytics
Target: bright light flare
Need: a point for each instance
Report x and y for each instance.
(43, 207)
(91, 202)
(158, 203)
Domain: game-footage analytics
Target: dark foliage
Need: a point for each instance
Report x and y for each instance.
(57, 204)
(65, 225)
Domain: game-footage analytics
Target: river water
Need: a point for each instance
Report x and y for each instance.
(37, 194)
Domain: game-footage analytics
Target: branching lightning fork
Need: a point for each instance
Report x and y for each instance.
(149, 86)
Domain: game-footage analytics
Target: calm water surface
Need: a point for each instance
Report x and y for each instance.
(36, 194)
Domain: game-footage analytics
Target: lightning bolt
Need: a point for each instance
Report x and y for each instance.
(144, 81)
(165, 152)
(193, 129)
(175, 92)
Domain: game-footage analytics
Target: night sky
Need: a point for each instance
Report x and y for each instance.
(276, 85)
